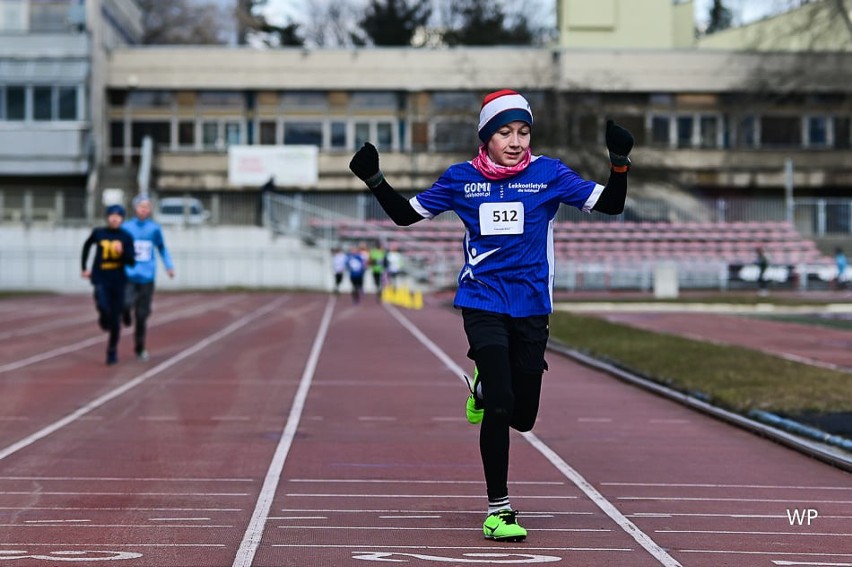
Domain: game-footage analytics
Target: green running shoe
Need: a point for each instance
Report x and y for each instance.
(503, 526)
(473, 407)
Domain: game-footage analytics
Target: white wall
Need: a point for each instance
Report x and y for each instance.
(205, 258)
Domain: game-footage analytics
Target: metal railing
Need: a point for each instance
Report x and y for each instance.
(295, 213)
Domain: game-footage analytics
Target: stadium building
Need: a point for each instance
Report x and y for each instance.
(748, 124)
(52, 68)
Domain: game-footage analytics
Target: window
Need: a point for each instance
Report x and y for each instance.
(49, 16)
(309, 133)
(233, 133)
(160, 133)
(660, 130)
(313, 100)
(116, 135)
(709, 135)
(841, 133)
(362, 133)
(15, 103)
(684, 131)
(384, 135)
(373, 100)
(13, 15)
(186, 133)
(150, 99)
(42, 103)
(221, 99)
(267, 133)
(457, 102)
(210, 134)
(781, 131)
(452, 136)
(588, 129)
(816, 128)
(747, 132)
(338, 135)
(68, 103)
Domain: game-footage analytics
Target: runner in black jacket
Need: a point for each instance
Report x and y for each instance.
(114, 251)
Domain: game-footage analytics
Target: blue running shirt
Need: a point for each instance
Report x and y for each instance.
(508, 241)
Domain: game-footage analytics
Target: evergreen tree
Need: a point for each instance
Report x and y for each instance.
(394, 22)
(483, 22)
(721, 17)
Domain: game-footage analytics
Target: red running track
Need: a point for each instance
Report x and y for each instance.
(300, 429)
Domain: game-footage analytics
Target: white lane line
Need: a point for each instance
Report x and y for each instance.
(123, 479)
(817, 564)
(73, 347)
(733, 516)
(55, 521)
(734, 532)
(478, 512)
(376, 418)
(447, 547)
(423, 517)
(435, 528)
(401, 481)
(768, 500)
(206, 527)
(41, 357)
(282, 518)
(117, 509)
(787, 553)
(254, 530)
(107, 545)
(127, 386)
(178, 519)
(79, 493)
(725, 486)
(439, 496)
(599, 500)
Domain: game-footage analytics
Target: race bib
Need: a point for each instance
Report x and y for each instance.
(501, 218)
(144, 250)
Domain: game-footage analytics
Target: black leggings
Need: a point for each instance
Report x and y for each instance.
(138, 298)
(509, 354)
(109, 299)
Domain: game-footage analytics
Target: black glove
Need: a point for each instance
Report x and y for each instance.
(365, 165)
(619, 142)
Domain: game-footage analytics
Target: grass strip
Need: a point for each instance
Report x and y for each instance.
(736, 378)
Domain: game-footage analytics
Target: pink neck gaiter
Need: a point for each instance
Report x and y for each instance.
(490, 170)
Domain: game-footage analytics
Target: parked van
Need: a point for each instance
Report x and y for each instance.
(181, 210)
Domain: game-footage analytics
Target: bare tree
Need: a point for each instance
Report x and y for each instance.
(332, 23)
(184, 22)
(252, 23)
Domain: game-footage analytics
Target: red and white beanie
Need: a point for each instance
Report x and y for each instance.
(499, 108)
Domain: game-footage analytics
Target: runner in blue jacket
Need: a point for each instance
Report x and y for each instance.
(147, 237)
(507, 199)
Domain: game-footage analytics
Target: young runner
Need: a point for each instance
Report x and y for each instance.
(139, 292)
(114, 251)
(507, 199)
